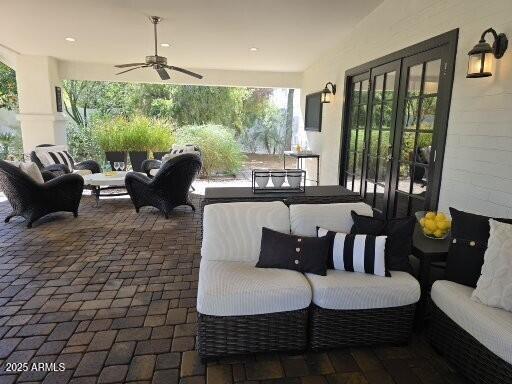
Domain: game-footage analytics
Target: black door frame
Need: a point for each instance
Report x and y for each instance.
(448, 40)
(393, 66)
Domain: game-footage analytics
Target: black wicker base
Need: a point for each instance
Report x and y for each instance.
(467, 354)
(348, 328)
(237, 335)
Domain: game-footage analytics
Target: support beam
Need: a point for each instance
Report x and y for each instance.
(37, 77)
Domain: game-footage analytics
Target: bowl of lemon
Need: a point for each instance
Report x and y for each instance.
(435, 225)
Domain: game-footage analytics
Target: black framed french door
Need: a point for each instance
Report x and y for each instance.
(394, 126)
(420, 133)
(380, 134)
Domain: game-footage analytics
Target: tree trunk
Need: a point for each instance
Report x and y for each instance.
(289, 121)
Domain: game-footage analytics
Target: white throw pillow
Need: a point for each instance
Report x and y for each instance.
(30, 169)
(494, 287)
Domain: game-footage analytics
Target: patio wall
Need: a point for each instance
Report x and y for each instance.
(477, 173)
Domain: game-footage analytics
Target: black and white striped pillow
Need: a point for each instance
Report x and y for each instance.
(356, 253)
(55, 157)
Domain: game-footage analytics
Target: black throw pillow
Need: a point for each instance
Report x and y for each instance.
(470, 234)
(398, 243)
(298, 253)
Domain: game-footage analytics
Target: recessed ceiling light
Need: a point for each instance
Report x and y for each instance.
(70, 39)
(253, 49)
(165, 45)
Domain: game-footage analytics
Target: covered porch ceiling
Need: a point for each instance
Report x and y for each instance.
(267, 41)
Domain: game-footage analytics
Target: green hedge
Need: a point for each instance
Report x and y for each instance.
(222, 154)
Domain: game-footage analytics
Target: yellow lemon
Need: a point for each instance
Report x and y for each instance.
(422, 221)
(444, 225)
(430, 225)
(427, 231)
(439, 233)
(440, 217)
(430, 215)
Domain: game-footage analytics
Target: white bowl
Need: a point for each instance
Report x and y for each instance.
(294, 178)
(261, 180)
(278, 178)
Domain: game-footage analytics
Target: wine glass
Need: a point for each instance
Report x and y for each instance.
(121, 166)
(116, 165)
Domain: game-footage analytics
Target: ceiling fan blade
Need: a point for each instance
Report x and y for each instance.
(185, 71)
(128, 65)
(163, 73)
(131, 69)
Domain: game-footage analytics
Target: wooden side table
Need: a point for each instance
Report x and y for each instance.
(430, 253)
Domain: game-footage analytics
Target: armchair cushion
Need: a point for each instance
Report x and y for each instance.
(30, 169)
(54, 154)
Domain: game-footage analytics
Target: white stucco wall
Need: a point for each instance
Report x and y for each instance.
(477, 173)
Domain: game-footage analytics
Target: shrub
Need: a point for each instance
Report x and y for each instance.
(161, 136)
(220, 150)
(83, 143)
(110, 133)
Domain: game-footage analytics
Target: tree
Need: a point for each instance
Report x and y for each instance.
(289, 120)
(8, 88)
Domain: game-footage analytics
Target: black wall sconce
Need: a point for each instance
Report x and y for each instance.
(326, 93)
(481, 57)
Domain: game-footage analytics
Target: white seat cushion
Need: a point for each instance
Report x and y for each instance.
(230, 288)
(304, 218)
(232, 231)
(351, 290)
(492, 327)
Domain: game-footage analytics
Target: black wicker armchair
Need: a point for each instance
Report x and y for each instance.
(62, 169)
(169, 188)
(33, 200)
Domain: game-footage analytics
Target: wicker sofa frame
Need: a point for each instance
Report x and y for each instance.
(472, 359)
(238, 335)
(331, 328)
(32, 200)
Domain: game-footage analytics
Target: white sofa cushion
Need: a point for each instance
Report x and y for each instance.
(304, 218)
(342, 290)
(230, 288)
(232, 231)
(492, 327)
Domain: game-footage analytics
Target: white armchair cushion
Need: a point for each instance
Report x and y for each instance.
(232, 231)
(341, 290)
(492, 327)
(304, 218)
(230, 288)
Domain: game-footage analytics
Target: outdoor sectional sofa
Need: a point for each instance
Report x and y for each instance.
(243, 309)
(475, 338)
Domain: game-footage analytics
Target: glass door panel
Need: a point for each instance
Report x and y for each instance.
(383, 98)
(414, 156)
(357, 132)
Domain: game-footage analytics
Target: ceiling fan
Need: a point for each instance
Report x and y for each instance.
(158, 63)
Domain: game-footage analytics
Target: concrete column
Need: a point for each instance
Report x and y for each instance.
(37, 77)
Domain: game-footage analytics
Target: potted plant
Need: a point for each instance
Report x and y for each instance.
(137, 139)
(111, 138)
(162, 138)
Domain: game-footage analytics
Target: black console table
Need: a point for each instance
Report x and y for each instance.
(299, 156)
(430, 253)
(322, 194)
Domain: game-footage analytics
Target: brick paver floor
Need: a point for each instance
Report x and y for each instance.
(110, 297)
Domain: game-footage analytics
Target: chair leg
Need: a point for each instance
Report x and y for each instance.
(192, 206)
(75, 213)
(137, 209)
(29, 224)
(9, 217)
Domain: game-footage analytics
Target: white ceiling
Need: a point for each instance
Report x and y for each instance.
(217, 34)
